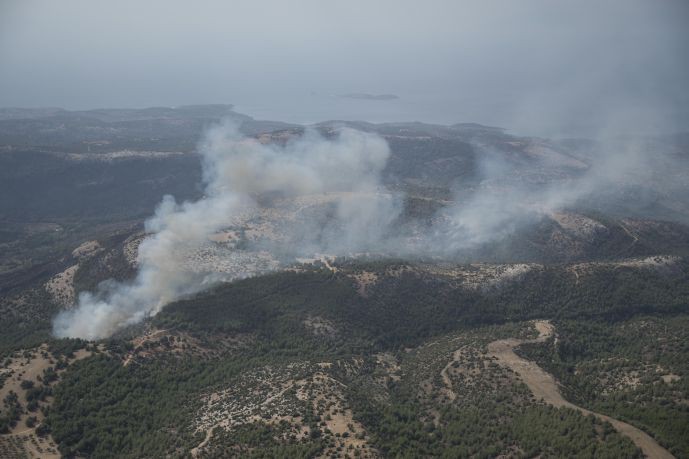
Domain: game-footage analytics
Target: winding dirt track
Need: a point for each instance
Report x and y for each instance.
(544, 386)
(447, 381)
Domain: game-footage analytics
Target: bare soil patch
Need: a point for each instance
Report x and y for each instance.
(61, 286)
(544, 387)
(87, 249)
(24, 368)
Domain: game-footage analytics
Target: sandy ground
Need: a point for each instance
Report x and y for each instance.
(29, 365)
(139, 342)
(477, 275)
(364, 280)
(655, 263)
(544, 387)
(578, 225)
(61, 286)
(87, 249)
(28, 445)
(130, 248)
(445, 374)
(338, 417)
(268, 401)
(122, 154)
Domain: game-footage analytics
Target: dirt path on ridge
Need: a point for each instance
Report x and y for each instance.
(544, 386)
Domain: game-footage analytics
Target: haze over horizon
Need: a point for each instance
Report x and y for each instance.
(535, 67)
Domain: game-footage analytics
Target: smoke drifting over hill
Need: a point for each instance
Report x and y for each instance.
(236, 170)
(344, 209)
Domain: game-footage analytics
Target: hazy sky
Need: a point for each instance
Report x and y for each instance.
(536, 66)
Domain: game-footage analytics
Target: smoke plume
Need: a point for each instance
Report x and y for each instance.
(237, 171)
(314, 195)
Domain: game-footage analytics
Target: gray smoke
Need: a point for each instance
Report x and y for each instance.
(510, 197)
(236, 171)
(337, 205)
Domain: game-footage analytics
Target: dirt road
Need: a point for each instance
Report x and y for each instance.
(544, 387)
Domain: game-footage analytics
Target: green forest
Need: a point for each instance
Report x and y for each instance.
(103, 408)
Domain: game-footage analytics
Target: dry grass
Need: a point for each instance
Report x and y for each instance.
(30, 365)
(156, 342)
(87, 249)
(61, 287)
(282, 396)
(653, 263)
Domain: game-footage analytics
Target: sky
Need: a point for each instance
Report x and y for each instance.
(540, 67)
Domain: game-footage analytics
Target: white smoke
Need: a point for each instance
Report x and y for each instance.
(501, 205)
(236, 171)
(359, 214)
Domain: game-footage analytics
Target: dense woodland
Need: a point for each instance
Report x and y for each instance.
(634, 370)
(153, 400)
